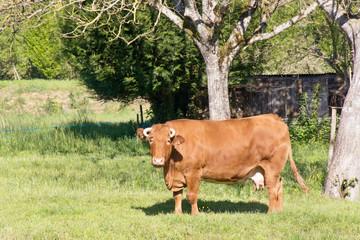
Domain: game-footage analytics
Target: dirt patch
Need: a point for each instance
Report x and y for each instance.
(41, 102)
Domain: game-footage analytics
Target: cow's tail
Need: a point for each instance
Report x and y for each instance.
(296, 173)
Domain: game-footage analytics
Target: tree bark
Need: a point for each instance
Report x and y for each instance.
(343, 177)
(218, 90)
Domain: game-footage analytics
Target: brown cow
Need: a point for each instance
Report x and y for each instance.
(230, 152)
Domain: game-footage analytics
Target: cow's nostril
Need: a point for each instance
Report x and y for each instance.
(158, 160)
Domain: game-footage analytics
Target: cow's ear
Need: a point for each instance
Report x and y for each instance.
(177, 140)
(140, 133)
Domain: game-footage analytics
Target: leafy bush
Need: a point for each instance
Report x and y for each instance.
(309, 127)
(52, 106)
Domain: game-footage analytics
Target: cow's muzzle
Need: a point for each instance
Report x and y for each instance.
(158, 162)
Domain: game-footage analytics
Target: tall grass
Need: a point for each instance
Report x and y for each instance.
(66, 135)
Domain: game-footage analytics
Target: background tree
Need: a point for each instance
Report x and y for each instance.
(331, 44)
(44, 48)
(14, 64)
(219, 48)
(164, 69)
(288, 52)
(203, 22)
(27, 53)
(343, 178)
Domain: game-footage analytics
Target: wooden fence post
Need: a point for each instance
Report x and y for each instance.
(141, 115)
(137, 126)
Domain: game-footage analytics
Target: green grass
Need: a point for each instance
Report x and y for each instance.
(92, 196)
(97, 182)
(39, 85)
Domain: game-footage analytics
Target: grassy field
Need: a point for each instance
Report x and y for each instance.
(97, 182)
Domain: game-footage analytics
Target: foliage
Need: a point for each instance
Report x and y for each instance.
(330, 43)
(43, 47)
(289, 52)
(12, 57)
(308, 127)
(164, 69)
(34, 52)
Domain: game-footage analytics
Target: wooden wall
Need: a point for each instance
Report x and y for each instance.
(278, 94)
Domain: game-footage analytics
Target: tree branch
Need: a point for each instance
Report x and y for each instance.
(237, 36)
(192, 13)
(269, 9)
(174, 18)
(335, 11)
(218, 18)
(282, 27)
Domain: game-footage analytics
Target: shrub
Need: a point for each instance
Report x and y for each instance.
(52, 106)
(309, 126)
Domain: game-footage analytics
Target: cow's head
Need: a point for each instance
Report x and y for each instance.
(162, 139)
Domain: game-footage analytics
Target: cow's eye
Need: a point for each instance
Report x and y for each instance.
(150, 140)
(168, 141)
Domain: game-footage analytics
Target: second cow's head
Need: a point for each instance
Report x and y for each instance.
(162, 140)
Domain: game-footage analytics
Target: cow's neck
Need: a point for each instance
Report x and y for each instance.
(174, 180)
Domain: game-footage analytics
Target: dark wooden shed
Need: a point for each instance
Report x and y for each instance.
(278, 94)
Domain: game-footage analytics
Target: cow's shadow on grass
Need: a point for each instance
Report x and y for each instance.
(206, 207)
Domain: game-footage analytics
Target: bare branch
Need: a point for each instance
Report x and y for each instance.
(284, 26)
(99, 13)
(238, 34)
(143, 34)
(175, 18)
(268, 10)
(341, 16)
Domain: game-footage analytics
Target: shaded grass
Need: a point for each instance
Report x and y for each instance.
(70, 136)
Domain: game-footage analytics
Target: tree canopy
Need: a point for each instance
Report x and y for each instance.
(161, 64)
(219, 29)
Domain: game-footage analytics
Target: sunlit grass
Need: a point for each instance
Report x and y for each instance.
(94, 197)
(97, 182)
(38, 85)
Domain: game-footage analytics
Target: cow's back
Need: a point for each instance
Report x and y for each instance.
(225, 134)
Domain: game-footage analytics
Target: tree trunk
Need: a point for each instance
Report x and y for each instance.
(218, 90)
(344, 171)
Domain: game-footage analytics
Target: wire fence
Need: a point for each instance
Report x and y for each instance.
(145, 124)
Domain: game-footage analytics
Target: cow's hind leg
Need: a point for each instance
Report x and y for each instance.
(273, 181)
(178, 201)
(279, 205)
(274, 188)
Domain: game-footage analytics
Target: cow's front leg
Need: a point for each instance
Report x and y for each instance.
(178, 201)
(193, 184)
